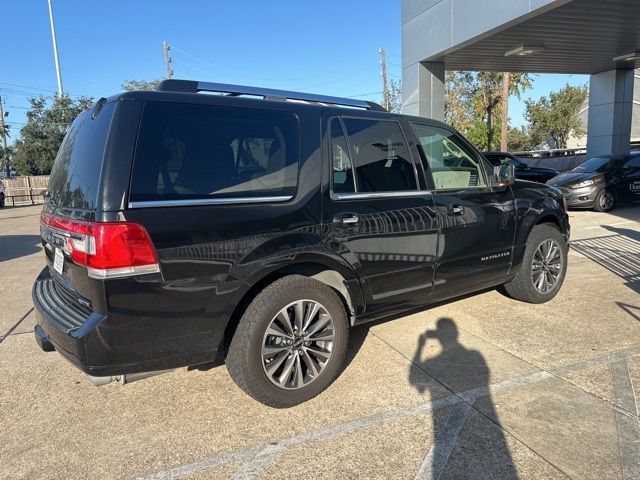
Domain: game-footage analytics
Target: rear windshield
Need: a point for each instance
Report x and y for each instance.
(206, 152)
(76, 171)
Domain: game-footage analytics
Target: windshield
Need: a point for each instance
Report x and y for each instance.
(597, 165)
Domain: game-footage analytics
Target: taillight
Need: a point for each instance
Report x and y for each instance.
(107, 249)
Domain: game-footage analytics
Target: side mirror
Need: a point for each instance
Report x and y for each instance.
(504, 174)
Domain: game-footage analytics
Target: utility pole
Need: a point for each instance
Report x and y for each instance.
(505, 112)
(167, 59)
(55, 51)
(5, 151)
(383, 74)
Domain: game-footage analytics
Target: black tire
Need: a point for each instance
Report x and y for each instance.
(244, 356)
(604, 201)
(522, 286)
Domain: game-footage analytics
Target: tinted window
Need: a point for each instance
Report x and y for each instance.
(76, 171)
(453, 164)
(633, 162)
(200, 151)
(342, 172)
(380, 156)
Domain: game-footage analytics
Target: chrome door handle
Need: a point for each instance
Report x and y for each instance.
(348, 219)
(456, 210)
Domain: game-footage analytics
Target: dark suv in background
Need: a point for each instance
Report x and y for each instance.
(258, 226)
(523, 170)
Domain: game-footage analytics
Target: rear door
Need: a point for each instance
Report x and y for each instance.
(477, 222)
(380, 219)
(73, 191)
(629, 184)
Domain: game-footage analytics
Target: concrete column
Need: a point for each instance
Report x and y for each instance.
(423, 90)
(610, 108)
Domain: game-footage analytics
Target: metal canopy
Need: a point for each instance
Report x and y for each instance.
(582, 36)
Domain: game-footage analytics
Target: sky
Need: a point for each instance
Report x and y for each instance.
(328, 47)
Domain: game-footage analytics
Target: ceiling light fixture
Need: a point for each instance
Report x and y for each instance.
(523, 51)
(628, 57)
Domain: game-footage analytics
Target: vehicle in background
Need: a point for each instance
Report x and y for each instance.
(183, 228)
(1, 194)
(3, 173)
(523, 170)
(601, 182)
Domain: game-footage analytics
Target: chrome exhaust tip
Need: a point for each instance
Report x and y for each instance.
(125, 377)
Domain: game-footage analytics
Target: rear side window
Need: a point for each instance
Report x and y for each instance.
(380, 156)
(206, 152)
(342, 171)
(75, 175)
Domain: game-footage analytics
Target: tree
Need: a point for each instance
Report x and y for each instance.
(395, 96)
(459, 93)
(519, 139)
(131, 85)
(47, 122)
(556, 116)
(473, 103)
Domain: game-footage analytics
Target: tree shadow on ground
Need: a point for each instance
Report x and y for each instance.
(16, 246)
(466, 445)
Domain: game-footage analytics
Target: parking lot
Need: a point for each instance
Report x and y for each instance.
(483, 387)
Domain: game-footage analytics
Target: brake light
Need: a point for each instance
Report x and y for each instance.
(107, 249)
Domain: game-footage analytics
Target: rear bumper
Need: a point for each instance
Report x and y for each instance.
(98, 344)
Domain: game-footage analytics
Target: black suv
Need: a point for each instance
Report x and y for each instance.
(523, 170)
(257, 226)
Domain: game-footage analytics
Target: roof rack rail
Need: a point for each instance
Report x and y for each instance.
(192, 86)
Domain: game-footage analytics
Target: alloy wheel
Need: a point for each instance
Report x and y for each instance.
(298, 344)
(606, 201)
(546, 266)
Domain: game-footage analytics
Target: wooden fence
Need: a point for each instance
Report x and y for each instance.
(25, 190)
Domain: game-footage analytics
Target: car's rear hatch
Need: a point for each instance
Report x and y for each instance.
(69, 294)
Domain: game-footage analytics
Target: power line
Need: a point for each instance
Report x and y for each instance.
(22, 92)
(273, 79)
(363, 94)
(196, 58)
(27, 86)
(191, 66)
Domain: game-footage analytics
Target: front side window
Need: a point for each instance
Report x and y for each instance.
(451, 162)
(380, 156)
(201, 151)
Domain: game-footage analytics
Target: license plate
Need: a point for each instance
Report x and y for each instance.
(58, 261)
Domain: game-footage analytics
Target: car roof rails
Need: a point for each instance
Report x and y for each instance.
(192, 86)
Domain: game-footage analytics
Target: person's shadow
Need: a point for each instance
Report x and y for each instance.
(466, 445)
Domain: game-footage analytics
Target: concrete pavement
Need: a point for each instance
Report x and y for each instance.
(483, 387)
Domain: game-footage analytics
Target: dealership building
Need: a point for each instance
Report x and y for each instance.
(596, 37)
